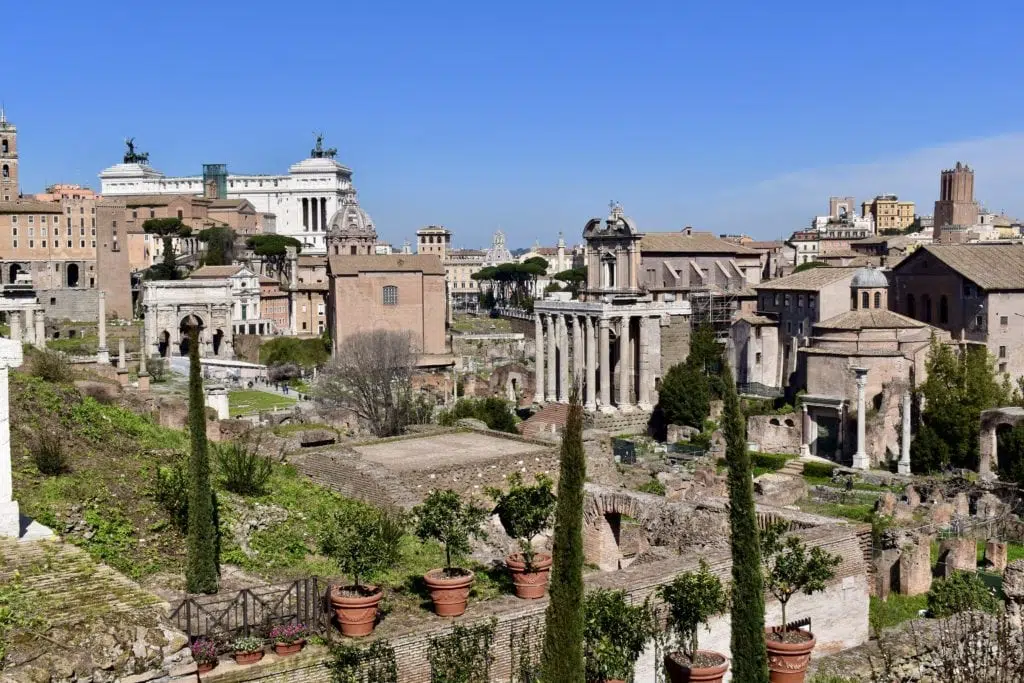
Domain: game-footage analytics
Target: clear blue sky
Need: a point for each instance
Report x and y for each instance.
(730, 116)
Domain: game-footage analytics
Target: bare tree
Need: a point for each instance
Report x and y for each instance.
(371, 376)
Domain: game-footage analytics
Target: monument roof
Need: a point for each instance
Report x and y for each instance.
(811, 279)
(870, 319)
(215, 271)
(869, 277)
(428, 264)
(29, 206)
(692, 243)
(990, 266)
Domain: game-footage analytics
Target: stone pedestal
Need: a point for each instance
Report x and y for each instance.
(122, 364)
(887, 572)
(958, 555)
(143, 382)
(995, 555)
(860, 458)
(916, 567)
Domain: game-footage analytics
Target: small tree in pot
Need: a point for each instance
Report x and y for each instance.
(525, 511)
(364, 541)
(444, 517)
(615, 633)
(790, 568)
(692, 599)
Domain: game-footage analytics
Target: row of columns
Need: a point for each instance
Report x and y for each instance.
(28, 325)
(589, 355)
(314, 213)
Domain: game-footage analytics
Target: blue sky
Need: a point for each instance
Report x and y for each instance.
(531, 116)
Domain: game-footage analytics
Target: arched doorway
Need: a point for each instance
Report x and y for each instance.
(163, 346)
(218, 337)
(71, 272)
(997, 422)
(187, 323)
(13, 273)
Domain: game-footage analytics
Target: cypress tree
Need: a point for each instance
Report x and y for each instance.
(749, 657)
(562, 660)
(201, 570)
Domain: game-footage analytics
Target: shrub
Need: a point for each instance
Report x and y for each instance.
(961, 592)
(354, 664)
(692, 599)
(364, 541)
(156, 366)
(244, 470)
(789, 568)
(525, 511)
(615, 633)
(170, 490)
(288, 633)
(50, 453)
(652, 486)
(464, 656)
(496, 413)
(51, 366)
(204, 651)
(445, 518)
(770, 461)
(819, 469)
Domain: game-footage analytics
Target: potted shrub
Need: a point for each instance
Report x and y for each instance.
(288, 638)
(692, 599)
(204, 652)
(789, 568)
(615, 633)
(247, 650)
(364, 541)
(525, 511)
(445, 518)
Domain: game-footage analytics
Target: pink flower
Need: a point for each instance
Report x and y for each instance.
(289, 633)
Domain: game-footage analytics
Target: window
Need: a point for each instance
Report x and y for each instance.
(757, 358)
(787, 300)
(878, 299)
(181, 214)
(390, 295)
(31, 220)
(789, 327)
(69, 244)
(44, 244)
(1002, 352)
(979, 321)
(812, 301)
(31, 244)
(1004, 321)
(865, 300)
(14, 220)
(42, 232)
(757, 333)
(31, 232)
(968, 289)
(911, 309)
(776, 299)
(135, 214)
(799, 300)
(943, 309)
(152, 213)
(81, 210)
(15, 244)
(1002, 367)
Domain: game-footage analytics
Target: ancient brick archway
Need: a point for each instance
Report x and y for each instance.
(991, 420)
(613, 534)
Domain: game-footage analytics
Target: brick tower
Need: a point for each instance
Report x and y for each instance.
(955, 210)
(8, 159)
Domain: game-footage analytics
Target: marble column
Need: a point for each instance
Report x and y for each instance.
(538, 343)
(30, 326)
(563, 360)
(15, 319)
(40, 329)
(805, 432)
(122, 361)
(644, 392)
(549, 388)
(102, 355)
(10, 519)
(860, 458)
(590, 342)
(143, 373)
(604, 343)
(904, 465)
(578, 355)
(622, 397)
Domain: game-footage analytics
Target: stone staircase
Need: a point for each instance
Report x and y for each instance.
(793, 468)
(550, 419)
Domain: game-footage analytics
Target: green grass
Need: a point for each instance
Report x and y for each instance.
(855, 511)
(296, 428)
(468, 324)
(857, 486)
(246, 402)
(896, 609)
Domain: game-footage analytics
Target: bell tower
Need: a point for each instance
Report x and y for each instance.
(8, 159)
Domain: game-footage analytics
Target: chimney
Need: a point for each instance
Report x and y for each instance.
(688, 230)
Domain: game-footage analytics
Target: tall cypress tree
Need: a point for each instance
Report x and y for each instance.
(562, 661)
(749, 657)
(201, 570)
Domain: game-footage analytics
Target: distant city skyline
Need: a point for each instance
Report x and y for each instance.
(531, 118)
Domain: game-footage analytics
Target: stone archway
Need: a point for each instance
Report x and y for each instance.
(991, 420)
(605, 541)
(71, 274)
(187, 322)
(163, 347)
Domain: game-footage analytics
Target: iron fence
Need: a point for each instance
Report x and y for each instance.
(253, 611)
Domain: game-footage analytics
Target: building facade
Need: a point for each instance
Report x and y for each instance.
(171, 306)
(889, 213)
(10, 190)
(955, 210)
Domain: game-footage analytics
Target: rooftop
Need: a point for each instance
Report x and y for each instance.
(990, 266)
(692, 243)
(811, 279)
(428, 264)
(29, 206)
(211, 272)
(870, 319)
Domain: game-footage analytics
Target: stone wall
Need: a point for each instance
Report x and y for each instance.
(80, 303)
(775, 433)
(675, 342)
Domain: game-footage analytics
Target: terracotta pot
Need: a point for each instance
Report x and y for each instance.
(678, 672)
(450, 595)
(203, 667)
(356, 613)
(285, 649)
(532, 584)
(787, 662)
(248, 657)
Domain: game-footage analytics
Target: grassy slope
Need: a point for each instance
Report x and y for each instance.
(249, 402)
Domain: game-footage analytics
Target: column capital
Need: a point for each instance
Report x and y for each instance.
(604, 323)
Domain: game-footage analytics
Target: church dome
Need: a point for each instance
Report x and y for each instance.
(868, 278)
(350, 221)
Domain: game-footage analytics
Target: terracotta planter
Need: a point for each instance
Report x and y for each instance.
(680, 672)
(205, 666)
(285, 649)
(787, 662)
(532, 584)
(450, 594)
(356, 612)
(248, 657)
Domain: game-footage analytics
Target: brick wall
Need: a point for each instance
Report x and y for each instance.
(80, 303)
(675, 342)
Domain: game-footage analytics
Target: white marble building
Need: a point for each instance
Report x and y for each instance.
(171, 306)
(302, 201)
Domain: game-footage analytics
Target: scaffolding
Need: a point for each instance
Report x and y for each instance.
(714, 308)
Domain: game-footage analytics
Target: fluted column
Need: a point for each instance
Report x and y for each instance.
(14, 317)
(30, 325)
(577, 351)
(622, 399)
(538, 378)
(644, 391)
(563, 360)
(591, 352)
(549, 388)
(604, 343)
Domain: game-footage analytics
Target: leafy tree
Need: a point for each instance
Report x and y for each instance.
(273, 249)
(574, 278)
(220, 246)
(1011, 454)
(168, 229)
(524, 511)
(363, 540)
(464, 656)
(961, 592)
(692, 599)
(562, 660)
(245, 470)
(495, 412)
(615, 633)
(708, 357)
(374, 663)
(750, 657)
(201, 571)
(959, 386)
(807, 265)
(306, 353)
(790, 569)
(444, 517)
(684, 396)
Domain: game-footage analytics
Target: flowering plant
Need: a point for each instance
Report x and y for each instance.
(289, 633)
(247, 644)
(204, 651)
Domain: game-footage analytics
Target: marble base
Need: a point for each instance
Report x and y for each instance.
(903, 467)
(143, 382)
(103, 357)
(10, 519)
(861, 461)
(805, 450)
